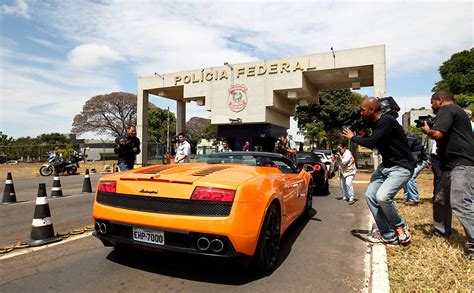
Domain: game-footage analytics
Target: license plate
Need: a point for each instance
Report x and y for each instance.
(149, 236)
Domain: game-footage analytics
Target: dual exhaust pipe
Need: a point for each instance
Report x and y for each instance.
(216, 245)
(203, 243)
(100, 228)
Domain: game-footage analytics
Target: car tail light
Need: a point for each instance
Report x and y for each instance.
(316, 167)
(213, 194)
(107, 186)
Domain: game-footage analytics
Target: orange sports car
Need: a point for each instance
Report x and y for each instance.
(235, 204)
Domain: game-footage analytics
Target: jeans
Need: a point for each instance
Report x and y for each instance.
(411, 189)
(346, 186)
(384, 185)
(455, 194)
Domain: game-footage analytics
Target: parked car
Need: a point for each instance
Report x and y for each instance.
(233, 205)
(328, 161)
(318, 170)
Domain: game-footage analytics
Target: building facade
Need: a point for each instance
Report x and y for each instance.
(254, 101)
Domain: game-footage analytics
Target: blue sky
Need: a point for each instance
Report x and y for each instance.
(55, 55)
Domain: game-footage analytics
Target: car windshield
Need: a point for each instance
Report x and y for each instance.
(251, 159)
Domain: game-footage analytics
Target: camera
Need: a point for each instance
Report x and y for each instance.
(387, 106)
(422, 119)
(355, 122)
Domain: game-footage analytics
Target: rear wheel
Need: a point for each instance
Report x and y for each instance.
(72, 170)
(268, 247)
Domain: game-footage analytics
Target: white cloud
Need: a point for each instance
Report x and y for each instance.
(90, 55)
(172, 36)
(36, 100)
(45, 43)
(162, 36)
(20, 8)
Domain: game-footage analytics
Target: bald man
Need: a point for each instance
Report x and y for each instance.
(455, 141)
(394, 172)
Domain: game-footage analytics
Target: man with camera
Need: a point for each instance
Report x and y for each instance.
(395, 170)
(455, 142)
(127, 148)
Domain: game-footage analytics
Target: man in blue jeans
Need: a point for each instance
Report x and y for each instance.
(455, 141)
(410, 190)
(394, 172)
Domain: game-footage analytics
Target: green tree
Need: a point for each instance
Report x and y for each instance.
(457, 73)
(333, 111)
(158, 124)
(315, 133)
(465, 101)
(52, 139)
(4, 139)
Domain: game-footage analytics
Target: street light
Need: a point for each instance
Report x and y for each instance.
(334, 56)
(231, 72)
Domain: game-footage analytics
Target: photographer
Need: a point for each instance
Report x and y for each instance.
(455, 142)
(396, 169)
(127, 148)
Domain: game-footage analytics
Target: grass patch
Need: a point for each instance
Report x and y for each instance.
(428, 264)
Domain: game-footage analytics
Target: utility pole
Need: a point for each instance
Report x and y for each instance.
(168, 138)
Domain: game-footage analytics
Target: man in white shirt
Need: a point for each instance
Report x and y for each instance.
(225, 146)
(183, 151)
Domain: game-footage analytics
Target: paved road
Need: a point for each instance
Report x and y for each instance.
(324, 254)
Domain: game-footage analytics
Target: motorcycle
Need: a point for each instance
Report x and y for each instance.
(57, 163)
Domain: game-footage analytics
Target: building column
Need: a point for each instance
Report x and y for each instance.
(142, 126)
(380, 83)
(380, 91)
(180, 116)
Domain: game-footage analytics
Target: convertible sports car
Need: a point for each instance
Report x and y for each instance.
(235, 204)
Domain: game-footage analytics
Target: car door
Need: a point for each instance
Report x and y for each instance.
(294, 194)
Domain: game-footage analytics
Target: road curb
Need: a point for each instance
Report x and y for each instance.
(378, 282)
(377, 266)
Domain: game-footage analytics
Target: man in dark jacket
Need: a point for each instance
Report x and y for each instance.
(394, 172)
(410, 189)
(454, 139)
(127, 148)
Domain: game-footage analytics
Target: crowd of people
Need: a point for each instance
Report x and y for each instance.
(450, 154)
(448, 151)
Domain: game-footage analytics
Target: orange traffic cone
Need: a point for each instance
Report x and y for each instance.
(9, 195)
(42, 231)
(86, 185)
(56, 190)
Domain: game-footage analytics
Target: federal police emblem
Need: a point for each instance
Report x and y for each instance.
(237, 100)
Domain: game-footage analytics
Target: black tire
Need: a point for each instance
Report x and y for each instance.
(46, 170)
(308, 211)
(72, 170)
(268, 247)
(325, 190)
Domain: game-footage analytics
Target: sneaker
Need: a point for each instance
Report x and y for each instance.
(468, 254)
(403, 234)
(342, 198)
(378, 238)
(436, 234)
(351, 201)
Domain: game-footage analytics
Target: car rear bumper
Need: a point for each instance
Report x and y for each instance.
(241, 227)
(120, 234)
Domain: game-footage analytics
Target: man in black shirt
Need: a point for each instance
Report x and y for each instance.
(127, 148)
(394, 172)
(455, 142)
